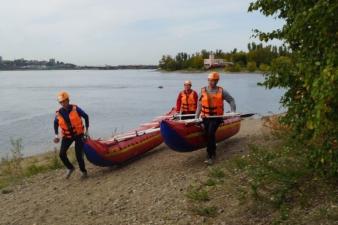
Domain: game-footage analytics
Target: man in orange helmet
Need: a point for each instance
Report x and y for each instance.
(187, 100)
(69, 119)
(211, 104)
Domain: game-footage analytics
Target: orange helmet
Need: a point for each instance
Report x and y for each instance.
(62, 96)
(187, 82)
(213, 76)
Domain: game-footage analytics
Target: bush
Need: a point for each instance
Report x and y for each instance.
(234, 68)
(11, 165)
(206, 211)
(309, 75)
(274, 175)
(251, 66)
(14, 168)
(55, 162)
(34, 169)
(264, 67)
(276, 180)
(197, 194)
(210, 182)
(216, 172)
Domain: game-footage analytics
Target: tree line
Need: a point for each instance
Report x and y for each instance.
(257, 57)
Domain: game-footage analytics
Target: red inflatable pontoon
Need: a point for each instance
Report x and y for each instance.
(123, 147)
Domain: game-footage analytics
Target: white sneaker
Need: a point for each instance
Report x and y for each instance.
(208, 161)
(69, 173)
(84, 175)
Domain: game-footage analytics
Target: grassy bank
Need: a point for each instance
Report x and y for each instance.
(270, 184)
(15, 168)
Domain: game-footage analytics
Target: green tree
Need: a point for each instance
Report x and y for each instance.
(219, 54)
(205, 54)
(309, 75)
(257, 53)
(167, 63)
(239, 58)
(261, 55)
(196, 61)
(264, 68)
(251, 66)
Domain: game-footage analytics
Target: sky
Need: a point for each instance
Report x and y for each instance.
(110, 32)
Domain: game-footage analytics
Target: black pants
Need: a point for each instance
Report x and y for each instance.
(210, 127)
(65, 144)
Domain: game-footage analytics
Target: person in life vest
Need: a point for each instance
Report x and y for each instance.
(69, 119)
(187, 101)
(211, 104)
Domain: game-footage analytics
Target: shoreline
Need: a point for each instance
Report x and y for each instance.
(209, 70)
(256, 122)
(41, 157)
(51, 148)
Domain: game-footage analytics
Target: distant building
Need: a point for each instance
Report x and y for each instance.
(51, 62)
(0, 59)
(214, 63)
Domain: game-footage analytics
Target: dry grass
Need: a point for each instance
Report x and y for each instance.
(273, 122)
(14, 167)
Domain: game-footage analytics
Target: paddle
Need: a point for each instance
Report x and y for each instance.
(149, 124)
(227, 115)
(247, 115)
(189, 115)
(122, 137)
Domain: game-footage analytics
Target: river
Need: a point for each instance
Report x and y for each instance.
(114, 99)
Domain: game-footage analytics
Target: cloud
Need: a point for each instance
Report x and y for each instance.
(118, 32)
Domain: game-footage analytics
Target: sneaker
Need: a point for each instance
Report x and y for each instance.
(208, 161)
(69, 173)
(84, 175)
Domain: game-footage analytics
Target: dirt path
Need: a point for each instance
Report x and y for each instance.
(150, 190)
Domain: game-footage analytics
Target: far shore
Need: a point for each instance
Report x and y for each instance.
(206, 71)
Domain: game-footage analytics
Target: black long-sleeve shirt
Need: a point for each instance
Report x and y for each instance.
(65, 114)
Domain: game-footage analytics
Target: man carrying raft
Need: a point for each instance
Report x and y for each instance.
(211, 103)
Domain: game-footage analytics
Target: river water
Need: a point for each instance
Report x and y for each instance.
(115, 100)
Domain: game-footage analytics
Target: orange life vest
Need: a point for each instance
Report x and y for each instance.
(188, 102)
(212, 103)
(75, 120)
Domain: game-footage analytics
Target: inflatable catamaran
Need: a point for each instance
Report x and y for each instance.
(179, 134)
(123, 147)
